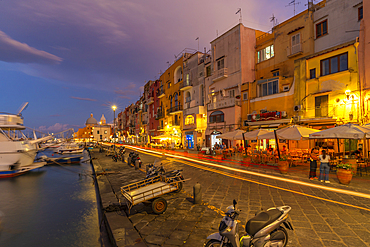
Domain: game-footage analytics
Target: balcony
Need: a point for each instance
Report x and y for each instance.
(185, 85)
(176, 123)
(219, 75)
(160, 92)
(228, 102)
(294, 50)
(160, 114)
(175, 109)
(150, 101)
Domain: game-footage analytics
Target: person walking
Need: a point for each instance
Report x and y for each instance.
(313, 164)
(324, 167)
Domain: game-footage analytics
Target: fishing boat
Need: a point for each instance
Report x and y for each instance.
(17, 152)
(69, 148)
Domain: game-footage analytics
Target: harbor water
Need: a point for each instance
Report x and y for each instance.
(51, 206)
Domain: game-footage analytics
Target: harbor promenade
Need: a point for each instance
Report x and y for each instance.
(322, 214)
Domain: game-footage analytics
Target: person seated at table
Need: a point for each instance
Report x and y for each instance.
(237, 146)
(241, 148)
(284, 150)
(270, 150)
(358, 153)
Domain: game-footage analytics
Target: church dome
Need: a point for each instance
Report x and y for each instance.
(91, 120)
(103, 120)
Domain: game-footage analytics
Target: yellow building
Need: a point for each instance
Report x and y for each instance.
(269, 100)
(93, 131)
(170, 108)
(329, 86)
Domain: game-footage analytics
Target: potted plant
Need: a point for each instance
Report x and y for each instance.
(247, 158)
(344, 173)
(283, 164)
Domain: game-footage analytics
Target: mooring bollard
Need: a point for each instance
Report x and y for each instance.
(137, 164)
(197, 193)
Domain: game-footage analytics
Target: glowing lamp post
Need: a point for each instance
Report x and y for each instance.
(114, 122)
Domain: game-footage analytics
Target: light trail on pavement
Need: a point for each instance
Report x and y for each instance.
(352, 193)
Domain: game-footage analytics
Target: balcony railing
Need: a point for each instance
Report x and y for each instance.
(175, 109)
(186, 85)
(176, 123)
(294, 50)
(160, 92)
(220, 74)
(160, 114)
(228, 102)
(150, 101)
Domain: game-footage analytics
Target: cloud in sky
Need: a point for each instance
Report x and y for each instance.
(16, 52)
(57, 127)
(108, 49)
(87, 99)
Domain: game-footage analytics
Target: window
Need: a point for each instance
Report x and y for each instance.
(321, 106)
(232, 93)
(275, 73)
(296, 43)
(334, 64)
(105, 132)
(360, 13)
(269, 87)
(220, 64)
(208, 71)
(189, 120)
(245, 96)
(321, 28)
(312, 73)
(98, 132)
(216, 117)
(266, 53)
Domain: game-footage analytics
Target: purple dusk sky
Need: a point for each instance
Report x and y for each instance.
(71, 58)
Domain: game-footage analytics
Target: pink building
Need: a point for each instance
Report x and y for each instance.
(153, 104)
(364, 57)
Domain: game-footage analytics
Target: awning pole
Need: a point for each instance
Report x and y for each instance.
(277, 143)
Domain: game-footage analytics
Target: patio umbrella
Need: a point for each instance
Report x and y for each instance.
(345, 131)
(293, 132)
(253, 135)
(233, 135)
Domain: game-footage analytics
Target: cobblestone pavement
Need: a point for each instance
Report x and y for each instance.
(319, 217)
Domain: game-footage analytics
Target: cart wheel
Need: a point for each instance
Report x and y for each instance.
(159, 205)
(180, 187)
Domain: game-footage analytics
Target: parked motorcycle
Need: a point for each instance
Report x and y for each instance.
(134, 158)
(266, 229)
(119, 155)
(156, 169)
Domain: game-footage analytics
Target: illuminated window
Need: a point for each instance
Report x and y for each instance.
(105, 132)
(265, 54)
(189, 120)
(321, 28)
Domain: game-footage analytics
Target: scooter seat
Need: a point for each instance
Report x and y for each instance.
(261, 220)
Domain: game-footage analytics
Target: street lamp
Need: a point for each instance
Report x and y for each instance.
(114, 123)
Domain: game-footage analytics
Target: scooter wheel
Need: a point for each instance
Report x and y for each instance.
(213, 243)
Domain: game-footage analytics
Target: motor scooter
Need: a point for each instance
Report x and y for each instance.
(266, 229)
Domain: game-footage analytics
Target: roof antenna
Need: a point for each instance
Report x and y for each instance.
(273, 19)
(198, 42)
(240, 13)
(294, 3)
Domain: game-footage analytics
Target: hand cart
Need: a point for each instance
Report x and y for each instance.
(150, 190)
